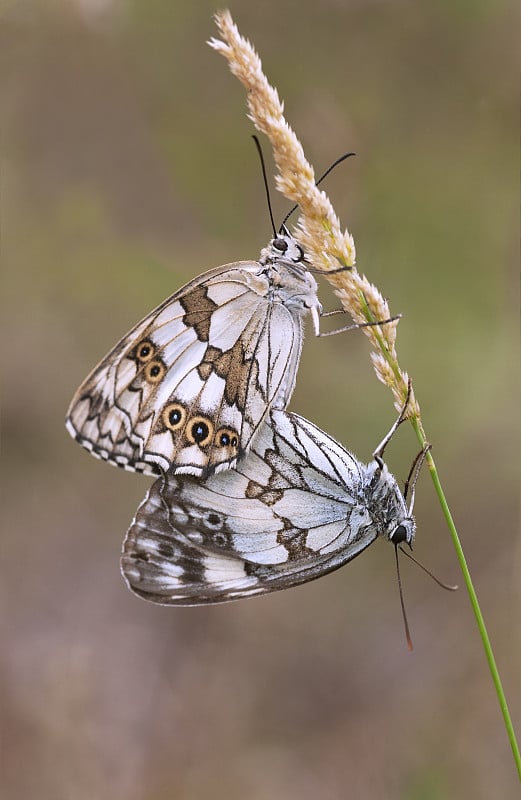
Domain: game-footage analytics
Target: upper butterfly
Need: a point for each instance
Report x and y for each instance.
(189, 386)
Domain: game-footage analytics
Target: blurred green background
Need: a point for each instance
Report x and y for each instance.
(128, 168)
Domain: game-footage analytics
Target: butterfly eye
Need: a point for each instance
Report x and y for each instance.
(399, 535)
(225, 437)
(200, 431)
(174, 416)
(281, 245)
(154, 371)
(145, 351)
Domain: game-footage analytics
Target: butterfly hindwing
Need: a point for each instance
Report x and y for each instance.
(294, 508)
(189, 386)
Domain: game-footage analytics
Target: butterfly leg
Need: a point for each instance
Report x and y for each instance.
(355, 325)
(318, 271)
(414, 472)
(378, 453)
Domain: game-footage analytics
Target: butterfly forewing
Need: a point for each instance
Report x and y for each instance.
(294, 508)
(189, 386)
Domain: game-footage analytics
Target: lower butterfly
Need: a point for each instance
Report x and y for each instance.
(190, 385)
(296, 507)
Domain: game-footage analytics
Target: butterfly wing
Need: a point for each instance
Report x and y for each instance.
(291, 511)
(192, 382)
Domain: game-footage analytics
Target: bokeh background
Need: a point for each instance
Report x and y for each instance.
(128, 168)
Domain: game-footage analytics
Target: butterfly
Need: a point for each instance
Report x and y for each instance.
(297, 506)
(190, 385)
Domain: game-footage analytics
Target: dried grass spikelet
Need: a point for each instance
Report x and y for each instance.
(318, 227)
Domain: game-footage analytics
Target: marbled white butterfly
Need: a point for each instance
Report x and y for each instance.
(189, 386)
(296, 506)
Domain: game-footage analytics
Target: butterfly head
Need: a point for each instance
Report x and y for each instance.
(284, 264)
(403, 532)
(284, 249)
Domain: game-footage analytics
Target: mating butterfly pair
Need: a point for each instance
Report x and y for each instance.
(250, 498)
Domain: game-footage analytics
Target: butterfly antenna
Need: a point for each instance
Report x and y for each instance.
(429, 573)
(402, 603)
(265, 178)
(326, 173)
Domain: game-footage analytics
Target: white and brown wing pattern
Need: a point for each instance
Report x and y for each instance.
(296, 507)
(189, 386)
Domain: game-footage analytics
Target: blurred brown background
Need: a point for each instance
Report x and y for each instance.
(128, 168)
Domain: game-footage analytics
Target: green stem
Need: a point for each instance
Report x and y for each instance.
(472, 595)
(420, 434)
